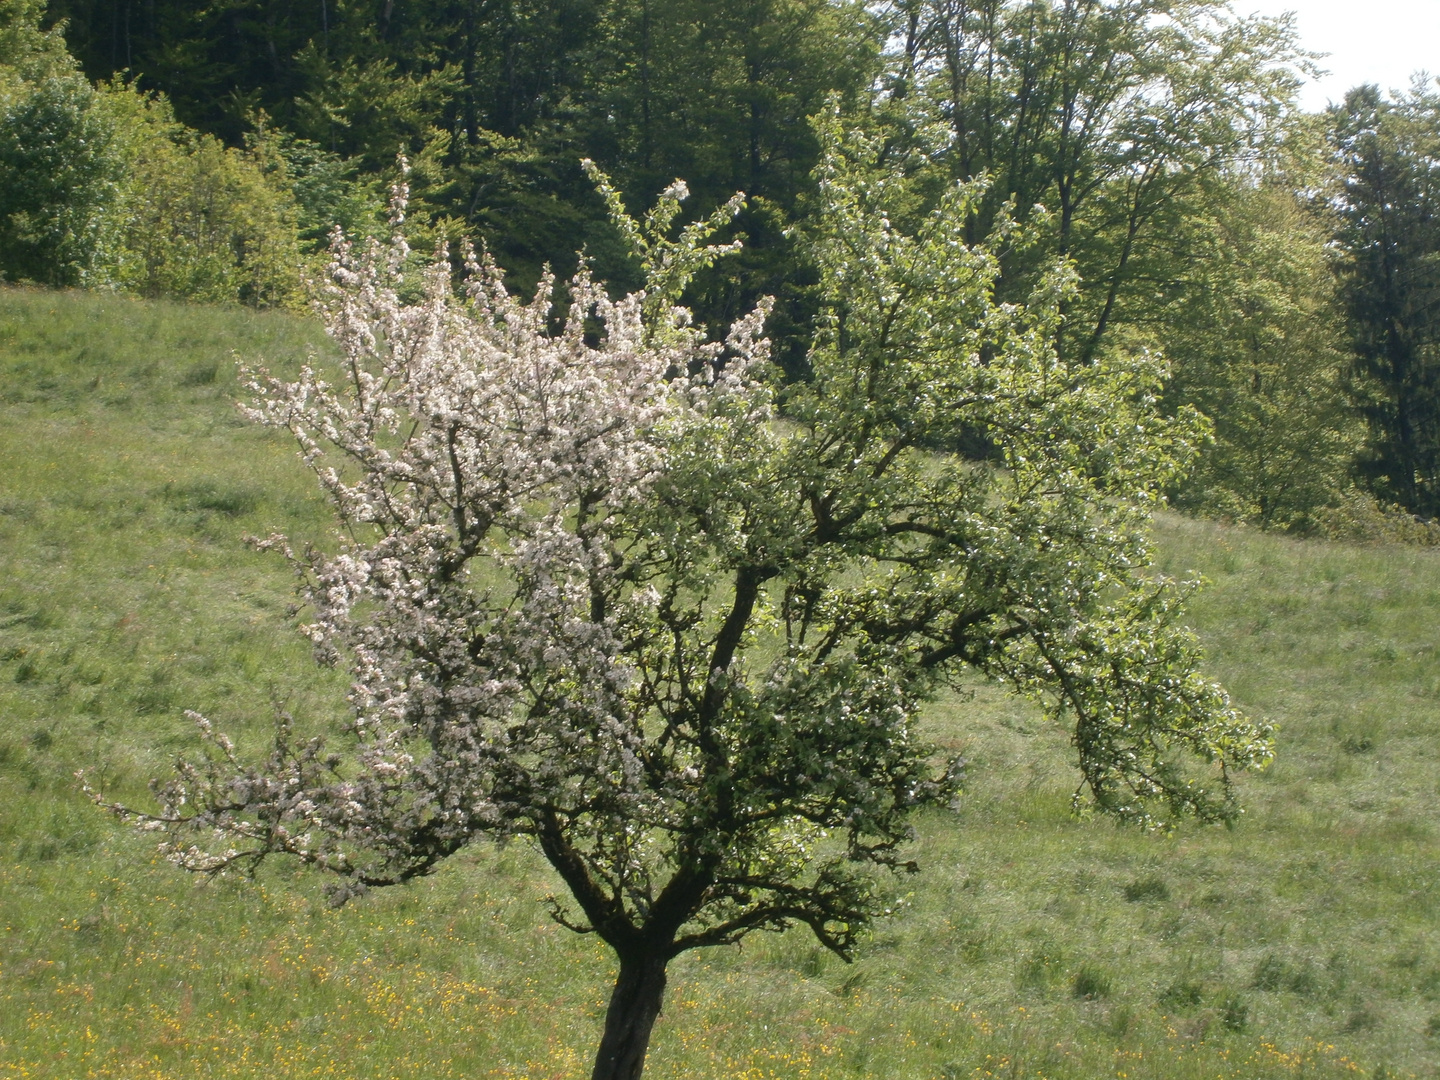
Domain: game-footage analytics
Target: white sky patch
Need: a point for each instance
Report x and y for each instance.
(1369, 41)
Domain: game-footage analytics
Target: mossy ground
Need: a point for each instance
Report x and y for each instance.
(1305, 942)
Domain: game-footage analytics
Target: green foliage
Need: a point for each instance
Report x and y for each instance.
(1389, 246)
(61, 170)
(28, 52)
(113, 600)
(915, 350)
(1109, 114)
(667, 263)
(495, 104)
(720, 93)
(365, 109)
(105, 187)
(327, 189)
(1359, 518)
(201, 220)
(1256, 344)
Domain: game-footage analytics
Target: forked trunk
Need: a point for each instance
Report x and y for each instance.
(634, 1005)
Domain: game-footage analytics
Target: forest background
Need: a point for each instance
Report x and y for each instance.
(1286, 263)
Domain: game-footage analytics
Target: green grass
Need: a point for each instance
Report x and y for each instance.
(1304, 943)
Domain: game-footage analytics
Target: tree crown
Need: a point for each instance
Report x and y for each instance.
(606, 586)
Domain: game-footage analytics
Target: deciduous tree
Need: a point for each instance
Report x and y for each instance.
(598, 591)
(61, 168)
(1108, 113)
(1256, 341)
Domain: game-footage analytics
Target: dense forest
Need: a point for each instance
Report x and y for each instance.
(1286, 264)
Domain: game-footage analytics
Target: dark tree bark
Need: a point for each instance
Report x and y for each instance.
(634, 1007)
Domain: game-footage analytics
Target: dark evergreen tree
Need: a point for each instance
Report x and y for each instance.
(217, 62)
(1389, 243)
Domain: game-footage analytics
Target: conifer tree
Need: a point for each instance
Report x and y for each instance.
(1389, 242)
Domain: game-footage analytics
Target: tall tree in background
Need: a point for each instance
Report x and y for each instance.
(1388, 153)
(722, 91)
(101, 186)
(1256, 343)
(215, 61)
(478, 93)
(1109, 113)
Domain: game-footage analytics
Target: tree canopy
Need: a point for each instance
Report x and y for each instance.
(1125, 134)
(599, 592)
(1389, 238)
(1108, 115)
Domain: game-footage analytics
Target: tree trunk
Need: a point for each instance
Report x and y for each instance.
(634, 1005)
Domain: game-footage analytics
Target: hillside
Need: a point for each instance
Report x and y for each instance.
(1305, 942)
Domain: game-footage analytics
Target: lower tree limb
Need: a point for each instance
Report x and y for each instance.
(634, 1005)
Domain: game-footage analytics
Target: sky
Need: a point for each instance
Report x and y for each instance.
(1374, 41)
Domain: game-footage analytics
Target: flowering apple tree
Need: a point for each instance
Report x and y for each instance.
(607, 585)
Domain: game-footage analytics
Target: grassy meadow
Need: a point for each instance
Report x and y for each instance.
(1303, 943)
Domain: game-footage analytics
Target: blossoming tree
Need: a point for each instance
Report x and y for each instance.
(608, 586)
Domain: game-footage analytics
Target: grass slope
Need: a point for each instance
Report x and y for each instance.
(1306, 942)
